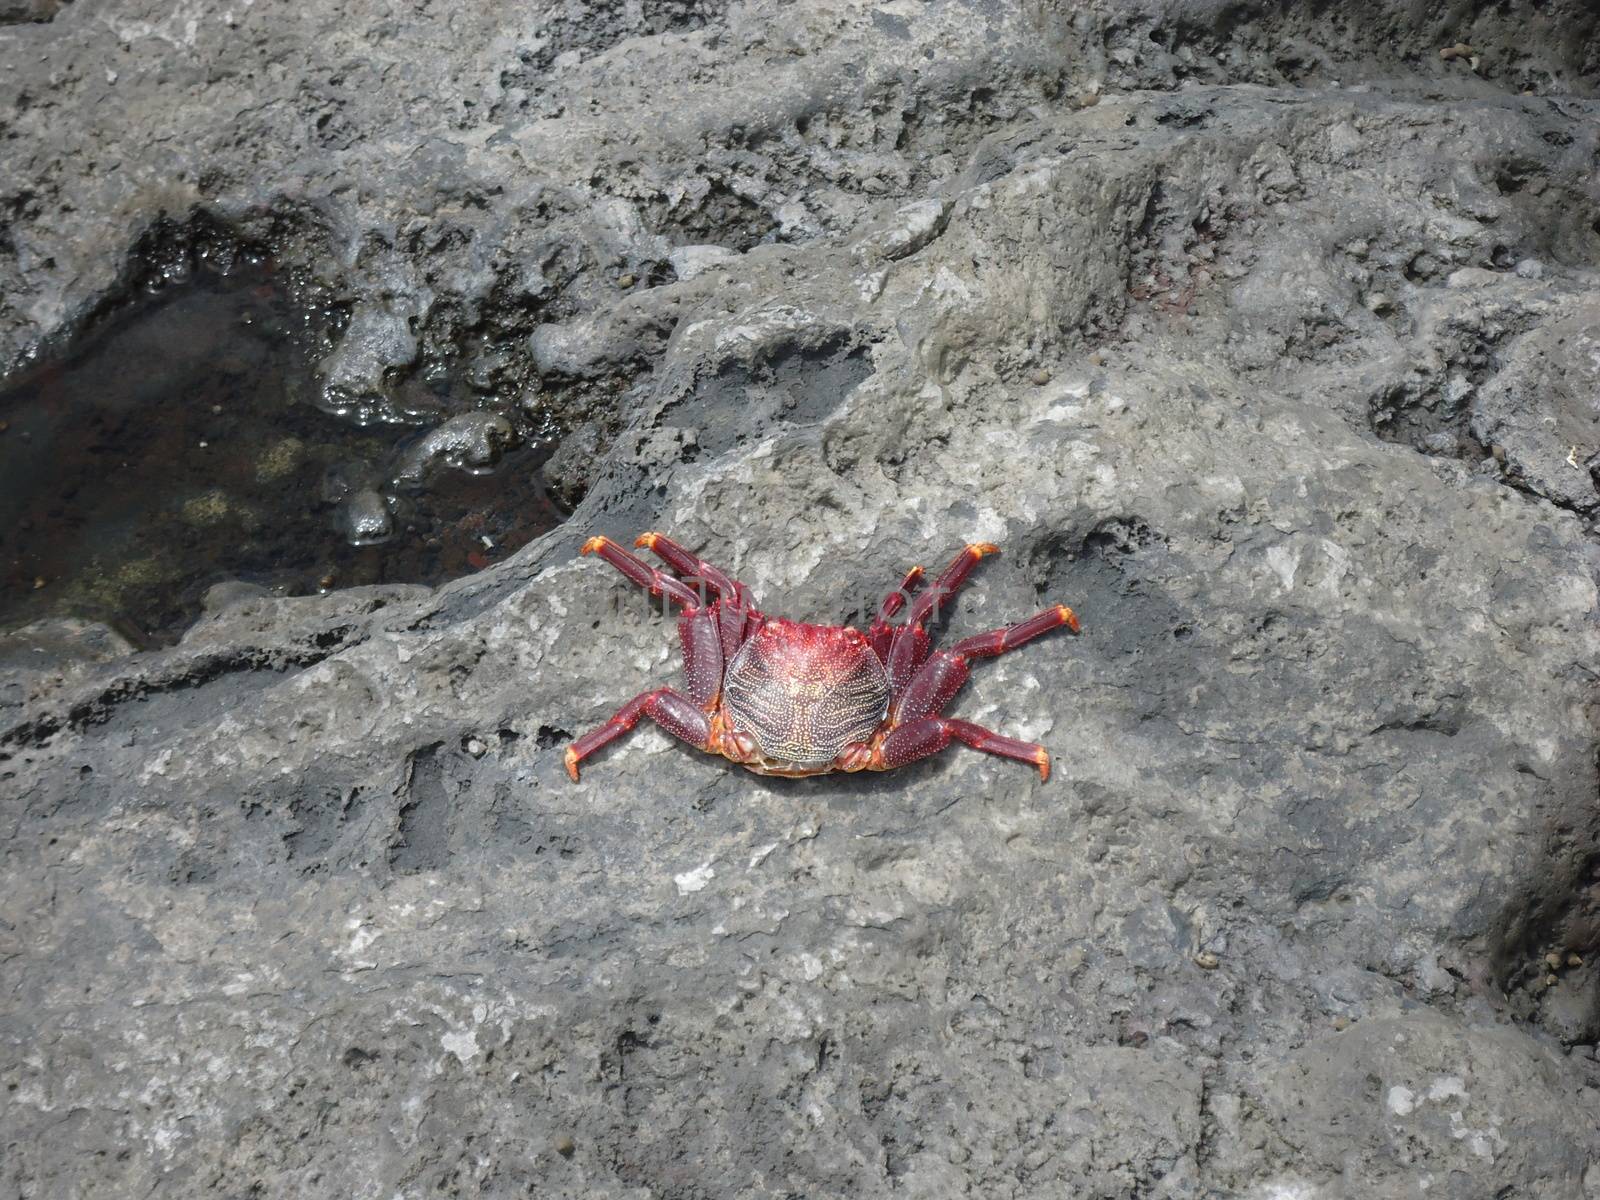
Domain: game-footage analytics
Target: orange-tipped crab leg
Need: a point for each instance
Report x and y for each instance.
(658, 582)
(941, 676)
(908, 646)
(998, 641)
(881, 634)
(697, 569)
(896, 600)
(950, 581)
(674, 713)
(930, 735)
(703, 578)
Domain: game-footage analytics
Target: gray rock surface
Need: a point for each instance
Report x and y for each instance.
(1310, 907)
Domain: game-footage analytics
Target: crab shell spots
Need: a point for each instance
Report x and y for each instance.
(805, 692)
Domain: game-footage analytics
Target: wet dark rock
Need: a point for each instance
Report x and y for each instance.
(472, 441)
(364, 518)
(307, 903)
(377, 341)
(47, 644)
(343, 479)
(571, 470)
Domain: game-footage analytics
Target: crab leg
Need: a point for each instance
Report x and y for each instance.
(697, 569)
(702, 655)
(673, 712)
(733, 615)
(895, 600)
(930, 735)
(949, 582)
(909, 644)
(658, 583)
(998, 641)
(933, 686)
(881, 634)
(941, 676)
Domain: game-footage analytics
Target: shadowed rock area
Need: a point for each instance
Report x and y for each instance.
(1262, 334)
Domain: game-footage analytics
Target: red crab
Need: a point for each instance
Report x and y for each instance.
(783, 698)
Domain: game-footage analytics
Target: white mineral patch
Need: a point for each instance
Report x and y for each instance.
(1484, 1143)
(156, 766)
(361, 938)
(1338, 566)
(1287, 1189)
(1402, 1101)
(1284, 562)
(1447, 1086)
(689, 261)
(463, 1043)
(695, 880)
(164, 1136)
(760, 855)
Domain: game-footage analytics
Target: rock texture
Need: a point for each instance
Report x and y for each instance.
(1261, 334)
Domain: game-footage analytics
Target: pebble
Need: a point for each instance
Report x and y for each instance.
(625, 281)
(471, 441)
(565, 1146)
(377, 339)
(1207, 961)
(363, 518)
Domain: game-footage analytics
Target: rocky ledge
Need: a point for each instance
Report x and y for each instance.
(1266, 335)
